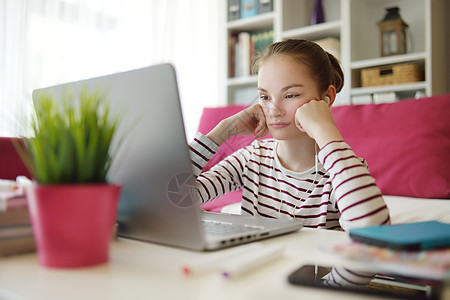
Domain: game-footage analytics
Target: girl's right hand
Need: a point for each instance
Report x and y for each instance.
(246, 122)
(249, 121)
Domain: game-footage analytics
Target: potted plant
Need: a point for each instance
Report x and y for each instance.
(72, 206)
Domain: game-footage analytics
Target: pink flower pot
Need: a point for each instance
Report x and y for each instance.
(73, 224)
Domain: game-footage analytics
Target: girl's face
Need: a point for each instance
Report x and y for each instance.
(283, 86)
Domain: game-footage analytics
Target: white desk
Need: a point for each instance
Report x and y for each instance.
(148, 271)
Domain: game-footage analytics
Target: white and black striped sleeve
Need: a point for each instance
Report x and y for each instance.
(358, 198)
(201, 149)
(224, 177)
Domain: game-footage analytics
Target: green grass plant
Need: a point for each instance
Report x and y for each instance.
(71, 140)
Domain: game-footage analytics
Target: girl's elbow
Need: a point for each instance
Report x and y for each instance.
(381, 217)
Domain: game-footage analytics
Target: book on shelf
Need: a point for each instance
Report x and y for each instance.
(265, 6)
(249, 8)
(243, 47)
(232, 40)
(234, 10)
(241, 9)
(242, 55)
(260, 40)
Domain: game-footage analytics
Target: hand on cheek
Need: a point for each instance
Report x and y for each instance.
(250, 121)
(314, 117)
(297, 120)
(304, 116)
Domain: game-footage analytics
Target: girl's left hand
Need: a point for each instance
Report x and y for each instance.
(314, 118)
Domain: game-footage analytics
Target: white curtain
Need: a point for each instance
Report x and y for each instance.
(46, 42)
(13, 104)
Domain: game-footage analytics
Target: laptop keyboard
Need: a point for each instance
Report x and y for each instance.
(224, 229)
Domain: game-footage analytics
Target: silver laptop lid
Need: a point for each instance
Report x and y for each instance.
(153, 163)
(158, 201)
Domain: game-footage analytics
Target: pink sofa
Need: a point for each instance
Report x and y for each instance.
(406, 145)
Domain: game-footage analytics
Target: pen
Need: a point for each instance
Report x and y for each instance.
(252, 260)
(217, 260)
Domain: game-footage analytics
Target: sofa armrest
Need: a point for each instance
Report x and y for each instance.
(11, 164)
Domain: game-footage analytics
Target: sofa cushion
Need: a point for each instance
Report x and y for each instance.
(406, 144)
(218, 204)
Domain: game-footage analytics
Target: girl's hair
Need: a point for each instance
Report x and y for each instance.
(323, 66)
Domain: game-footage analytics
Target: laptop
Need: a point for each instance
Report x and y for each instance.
(158, 202)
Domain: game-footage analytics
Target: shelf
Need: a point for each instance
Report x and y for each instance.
(388, 60)
(354, 24)
(315, 32)
(243, 81)
(389, 88)
(259, 22)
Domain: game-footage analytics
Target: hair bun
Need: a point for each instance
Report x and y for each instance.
(338, 75)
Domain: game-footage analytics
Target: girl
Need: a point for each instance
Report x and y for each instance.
(307, 171)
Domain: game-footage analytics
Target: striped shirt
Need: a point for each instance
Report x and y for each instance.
(340, 195)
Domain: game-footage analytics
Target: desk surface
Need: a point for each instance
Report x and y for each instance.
(138, 270)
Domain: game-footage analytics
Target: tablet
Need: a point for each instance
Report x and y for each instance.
(408, 236)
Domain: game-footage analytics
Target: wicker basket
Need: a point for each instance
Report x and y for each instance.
(395, 74)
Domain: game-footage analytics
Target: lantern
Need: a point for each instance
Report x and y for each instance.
(392, 33)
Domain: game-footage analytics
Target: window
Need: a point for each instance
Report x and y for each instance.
(47, 42)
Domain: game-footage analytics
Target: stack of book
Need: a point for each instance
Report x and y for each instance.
(16, 235)
(243, 47)
(415, 250)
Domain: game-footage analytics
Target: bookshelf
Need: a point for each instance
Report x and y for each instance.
(353, 23)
